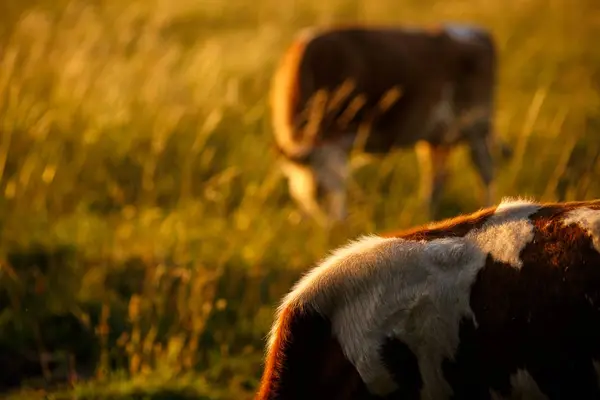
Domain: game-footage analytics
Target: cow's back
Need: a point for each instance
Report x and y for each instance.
(377, 60)
(476, 80)
(417, 62)
(501, 301)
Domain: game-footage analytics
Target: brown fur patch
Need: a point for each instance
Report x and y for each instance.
(285, 91)
(285, 87)
(452, 227)
(555, 209)
(305, 361)
(461, 225)
(276, 354)
(543, 318)
(372, 58)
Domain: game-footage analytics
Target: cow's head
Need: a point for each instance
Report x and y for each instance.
(317, 181)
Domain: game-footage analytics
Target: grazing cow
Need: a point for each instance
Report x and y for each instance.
(501, 303)
(377, 89)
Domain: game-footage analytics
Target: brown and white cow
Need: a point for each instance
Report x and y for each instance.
(375, 89)
(502, 303)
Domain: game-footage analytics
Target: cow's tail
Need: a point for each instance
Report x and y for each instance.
(284, 96)
(298, 341)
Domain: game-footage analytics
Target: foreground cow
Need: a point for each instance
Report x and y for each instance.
(502, 303)
(376, 89)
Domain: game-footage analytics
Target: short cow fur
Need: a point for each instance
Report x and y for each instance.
(376, 89)
(501, 303)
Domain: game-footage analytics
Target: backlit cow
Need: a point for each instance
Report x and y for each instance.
(373, 90)
(502, 303)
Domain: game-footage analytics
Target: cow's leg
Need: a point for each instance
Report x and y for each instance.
(423, 151)
(433, 170)
(481, 155)
(303, 189)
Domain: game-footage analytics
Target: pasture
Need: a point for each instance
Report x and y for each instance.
(145, 233)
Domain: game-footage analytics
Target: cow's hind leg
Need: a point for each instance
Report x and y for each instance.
(433, 170)
(481, 156)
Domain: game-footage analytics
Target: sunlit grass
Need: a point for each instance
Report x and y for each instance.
(138, 134)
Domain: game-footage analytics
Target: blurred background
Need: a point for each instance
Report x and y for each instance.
(146, 235)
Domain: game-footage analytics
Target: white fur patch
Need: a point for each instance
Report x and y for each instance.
(589, 220)
(513, 202)
(462, 32)
(320, 285)
(375, 287)
(416, 291)
(506, 233)
(331, 165)
(329, 170)
(302, 188)
(300, 178)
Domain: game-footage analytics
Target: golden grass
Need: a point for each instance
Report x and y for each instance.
(141, 129)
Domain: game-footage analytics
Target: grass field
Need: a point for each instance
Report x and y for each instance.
(146, 236)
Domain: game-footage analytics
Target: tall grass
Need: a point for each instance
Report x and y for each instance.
(138, 134)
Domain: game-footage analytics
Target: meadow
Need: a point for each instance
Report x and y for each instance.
(145, 233)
